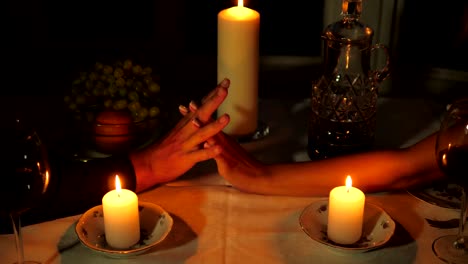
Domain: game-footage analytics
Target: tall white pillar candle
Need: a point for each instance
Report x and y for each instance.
(345, 214)
(121, 217)
(238, 60)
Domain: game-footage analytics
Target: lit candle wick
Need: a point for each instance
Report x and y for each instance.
(349, 183)
(240, 3)
(118, 187)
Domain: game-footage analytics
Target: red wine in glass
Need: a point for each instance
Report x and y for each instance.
(452, 158)
(25, 175)
(453, 162)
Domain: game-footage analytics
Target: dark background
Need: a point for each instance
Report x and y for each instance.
(430, 51)
(50, 41)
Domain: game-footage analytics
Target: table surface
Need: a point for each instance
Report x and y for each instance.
(215, 223)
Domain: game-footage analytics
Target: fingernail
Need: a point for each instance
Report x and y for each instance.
(223, 119)
(225, 83)
(196, 122)
(183, 109)
(193, 106)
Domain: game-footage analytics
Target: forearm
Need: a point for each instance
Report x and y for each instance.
(375, 171)
(371, 172)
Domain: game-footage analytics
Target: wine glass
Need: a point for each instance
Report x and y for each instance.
(452, 157)
(25, 175)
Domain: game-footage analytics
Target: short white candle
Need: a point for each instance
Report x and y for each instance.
(121, 217)
(238, 60)
(345, 214)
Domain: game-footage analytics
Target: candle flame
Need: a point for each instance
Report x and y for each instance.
(349, 183)
(118, 187)
(240, 3)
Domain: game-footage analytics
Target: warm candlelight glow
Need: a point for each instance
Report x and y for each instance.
(345, 213)
(349, 183)
(121, 217)
(240, 3)
(118, 187)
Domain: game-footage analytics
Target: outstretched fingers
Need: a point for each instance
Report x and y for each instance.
(199, 127)
(211, 103)
(205, 133)
(208, 131)
(224, 84)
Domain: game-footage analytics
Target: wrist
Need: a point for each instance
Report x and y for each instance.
(143, 170)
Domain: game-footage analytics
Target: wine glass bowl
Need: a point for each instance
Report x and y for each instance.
(25, 167)
(25, 174)
(452, 157)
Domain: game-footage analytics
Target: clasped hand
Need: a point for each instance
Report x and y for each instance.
(182, 147)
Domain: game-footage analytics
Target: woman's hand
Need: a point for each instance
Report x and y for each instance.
(237, 165)
(182, 147)
(234, 163)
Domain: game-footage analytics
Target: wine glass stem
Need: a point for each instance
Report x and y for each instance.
(460, 242)
(16, 221)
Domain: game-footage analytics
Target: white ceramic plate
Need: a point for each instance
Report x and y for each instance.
(445, 195)
(378, 227)
(155, 225)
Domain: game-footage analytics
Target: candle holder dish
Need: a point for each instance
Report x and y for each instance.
(155, 225)
(378, 227)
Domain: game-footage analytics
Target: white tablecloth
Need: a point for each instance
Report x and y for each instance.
(217, 224)
(214, 223)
